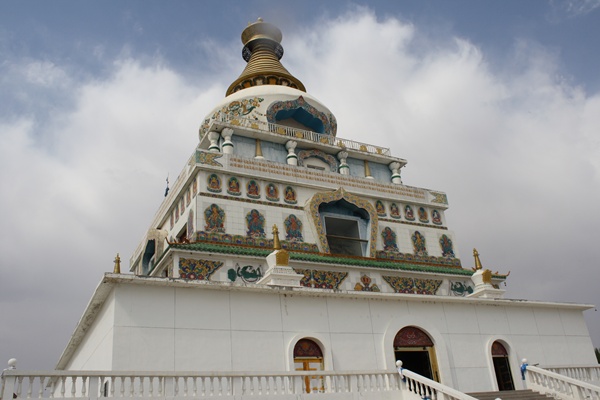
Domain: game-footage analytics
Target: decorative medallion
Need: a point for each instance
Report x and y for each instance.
(200, 270)
(248, 273)
(289, 195)
(460, 289)
(214, 217)
(233, 186)
(253, 189)
(213, 183)
(408, 213)
(256, 224)
(272, 192)
(380, 208)
(389, 239)
(419, 244)
(280, 109)
(394, 211)
(446, 245)
(208, 158)
(365, 285)
(326, 158)
(321, 279)
(423, 216)
(293, 229)
(436, 217)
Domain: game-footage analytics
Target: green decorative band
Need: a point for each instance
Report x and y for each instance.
(394, 255)
(215, 237)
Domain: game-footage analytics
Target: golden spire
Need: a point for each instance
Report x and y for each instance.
(477, 260)
(117, 269)
(276, 244)
(262, 52)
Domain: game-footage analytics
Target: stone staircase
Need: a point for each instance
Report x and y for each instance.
(510, 395)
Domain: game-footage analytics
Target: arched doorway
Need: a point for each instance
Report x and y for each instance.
(308, 356)
(415, 348)
(502, 367)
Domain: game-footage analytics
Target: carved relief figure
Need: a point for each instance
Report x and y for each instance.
(408, 213)
(253, 190)
(435, 217)
(380, 208)
(419, 244)
(233, 186)
(213, 183)
(446, 244)
(215, 219)
(293, 229)
(394, 211)
(272, 192)
(389, 239)
(256, 224)
(423, 216)
(290, 195)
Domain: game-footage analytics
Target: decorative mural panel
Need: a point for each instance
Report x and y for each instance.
(413, 285)
(190, 225)
(328, 197)
(172, 220)
(380, 208)
(326, 158)
(408, 213)
(213, 183)
(389, 239)
(398, 256)
(255, 223)
(293, 229)
(366, 285)
(460, 289)
(247, 273)
(214, 216)
(394, 211)
(419, 244)
(272, 192)
(440, 198)
(202, 236)
(207, 158)
(195, 187)
(253, 189)
(411, 336)
(436, 218)
(233, 186)
(423, 215)
(188, 197)
(321, 279)
(289, 195)
(446, 245)
(200, 270)
(235, 109)
(329, 123)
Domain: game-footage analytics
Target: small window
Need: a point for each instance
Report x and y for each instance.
(343, 236)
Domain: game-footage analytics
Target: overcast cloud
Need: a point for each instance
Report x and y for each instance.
(83, 160)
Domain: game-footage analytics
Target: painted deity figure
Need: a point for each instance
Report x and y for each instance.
(380, 208)
(419, 244)
(408, 213)
(446, 245)
(214, 183)
(389, 239)
(272, 192)
(256, 224)
(394, 211)
(293, 229)
(435, 217)
(289, 195)
(253, 189)
(423, 216)
(233, 186)
(215, 219)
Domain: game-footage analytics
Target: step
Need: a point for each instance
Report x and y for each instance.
(527, 394)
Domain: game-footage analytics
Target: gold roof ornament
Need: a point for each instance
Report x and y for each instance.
(276, 243)
(117, 268)
(262, 51)
(477, 260)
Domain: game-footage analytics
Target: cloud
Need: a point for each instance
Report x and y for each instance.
(515, 147)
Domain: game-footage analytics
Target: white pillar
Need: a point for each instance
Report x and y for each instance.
(395, 168)
(214, 141)
(227, 133)
(292, 158)
(344, 168)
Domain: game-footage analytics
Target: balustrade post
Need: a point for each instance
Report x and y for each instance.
(227, 146)
(214, 141)
(93, 387)
(8, 383)
(292, 158)
(344, 168)
(395, 168)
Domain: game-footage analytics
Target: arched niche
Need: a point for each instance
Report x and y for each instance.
(300, 114)
(416, 350)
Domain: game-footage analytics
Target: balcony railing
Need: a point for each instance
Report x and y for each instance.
(560, 386)
(296, 133)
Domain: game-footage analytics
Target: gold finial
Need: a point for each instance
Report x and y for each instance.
(258, 151)
(117, 269)
(477, 260)
(276, 244)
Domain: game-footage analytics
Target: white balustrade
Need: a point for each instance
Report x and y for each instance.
(560, 386)
(586, 373)
(417, 387)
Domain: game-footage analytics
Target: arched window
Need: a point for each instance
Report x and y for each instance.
(308, 356)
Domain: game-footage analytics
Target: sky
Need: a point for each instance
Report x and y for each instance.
(495, 103)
